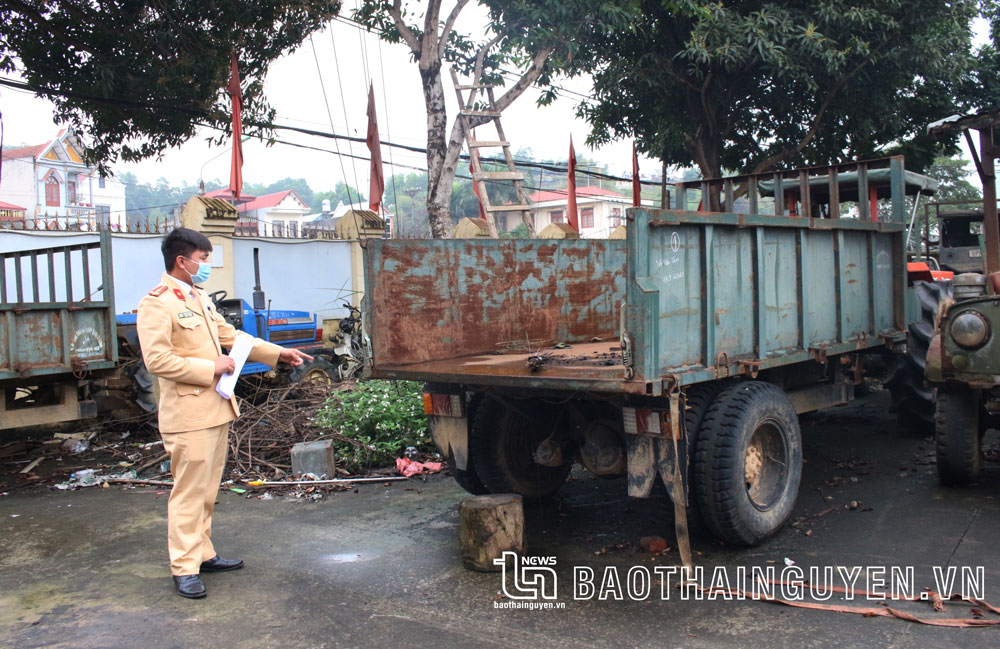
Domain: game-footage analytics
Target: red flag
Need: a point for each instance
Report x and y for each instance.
(571, 207)
(475, 185)
(636, 185)
(236, 171)
(376, 186)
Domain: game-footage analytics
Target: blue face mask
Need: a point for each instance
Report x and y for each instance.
(204, 270)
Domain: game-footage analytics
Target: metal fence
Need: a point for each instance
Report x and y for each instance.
(15, 220)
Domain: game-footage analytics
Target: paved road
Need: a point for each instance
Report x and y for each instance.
(381, 568)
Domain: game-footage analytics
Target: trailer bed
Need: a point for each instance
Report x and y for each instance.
(688, 297)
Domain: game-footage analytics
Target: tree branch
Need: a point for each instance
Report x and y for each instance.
(528, 78)
(477, 71)
(449, 24)
(429, 43)
(411, 39)
(828, 98)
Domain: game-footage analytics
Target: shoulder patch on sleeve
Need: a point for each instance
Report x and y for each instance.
(158, 291)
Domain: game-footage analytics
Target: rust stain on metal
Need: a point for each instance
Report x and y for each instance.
(459, 298)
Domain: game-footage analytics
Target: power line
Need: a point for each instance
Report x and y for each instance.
(329, 114)
(118, 102)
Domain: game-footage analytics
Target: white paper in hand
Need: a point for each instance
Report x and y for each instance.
(241, 349)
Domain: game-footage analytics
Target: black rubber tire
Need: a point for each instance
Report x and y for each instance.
(317, 364)
(733, 510)
(912, 397)
(467, 478)
(957, 438)
(697, 402)
(501, 444)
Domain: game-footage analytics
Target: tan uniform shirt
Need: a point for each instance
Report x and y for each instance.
(180, 337)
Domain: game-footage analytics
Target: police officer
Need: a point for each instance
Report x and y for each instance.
(181, 336)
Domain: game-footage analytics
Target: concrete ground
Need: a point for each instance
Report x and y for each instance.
(380, 567)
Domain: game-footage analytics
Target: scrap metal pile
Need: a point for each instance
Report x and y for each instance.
(271, 421)
(129, 449)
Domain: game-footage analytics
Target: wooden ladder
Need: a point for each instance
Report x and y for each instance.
(467, 110)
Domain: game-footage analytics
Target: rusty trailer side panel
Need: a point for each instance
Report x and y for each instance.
(436, 300)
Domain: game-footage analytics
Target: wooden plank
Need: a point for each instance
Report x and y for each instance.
(481, 144)
(508, 208)
(498, 175)
(479, 113)
(34, 463)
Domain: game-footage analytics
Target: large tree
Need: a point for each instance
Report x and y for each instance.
(535, 36)
(749, 85)
(137, 77)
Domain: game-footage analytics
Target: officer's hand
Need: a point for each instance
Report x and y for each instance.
(293, 357)
(224, 364)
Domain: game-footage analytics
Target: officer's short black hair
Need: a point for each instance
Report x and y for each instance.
(182, 241)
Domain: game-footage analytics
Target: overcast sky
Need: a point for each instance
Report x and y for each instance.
(293, 87)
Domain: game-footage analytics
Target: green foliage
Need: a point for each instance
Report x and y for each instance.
(300, 186)
(376, 422)
(749, 85)
(952, 176)
(342, 193)
(137, 77)
(520, 232)
(156, 202)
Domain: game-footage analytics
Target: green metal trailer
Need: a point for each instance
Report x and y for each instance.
(686, 351)
(57, 331)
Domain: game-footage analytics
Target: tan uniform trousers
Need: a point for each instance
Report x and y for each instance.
(197, 460)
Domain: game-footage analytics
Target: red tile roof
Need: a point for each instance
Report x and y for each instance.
(9, 206)
(562, 194)
(25, 151)
(269, 200)
(225, 194)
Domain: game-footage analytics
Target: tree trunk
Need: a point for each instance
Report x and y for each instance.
(489, 526)
(439, 183)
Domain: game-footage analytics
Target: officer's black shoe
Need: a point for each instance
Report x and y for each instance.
(190, 586)
(218, 564)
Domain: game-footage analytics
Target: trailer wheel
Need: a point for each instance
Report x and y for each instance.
(697, 401)
(467, 478)
(748, 462)
(957, 436)
(501, 446)
(912, 397)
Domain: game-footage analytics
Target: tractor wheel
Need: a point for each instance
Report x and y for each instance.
(748, 463)
(957, 437)
(502, 445)
(912, 397)
(319, 371)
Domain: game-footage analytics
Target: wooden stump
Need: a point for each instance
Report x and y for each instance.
(488, 526)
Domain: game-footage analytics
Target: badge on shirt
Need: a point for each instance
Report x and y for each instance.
(186, 314)
(179, 293)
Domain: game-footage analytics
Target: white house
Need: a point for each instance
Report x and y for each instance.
(599, 210)
(55, 186)
(280, 214)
